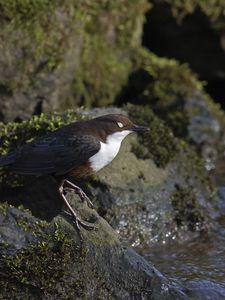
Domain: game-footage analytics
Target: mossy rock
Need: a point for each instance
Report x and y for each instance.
(41, 260)
(177, 97)
(57, 55)
(215, 11)
(135, 193)
(15, 134)
(162, 83)
(160, 142)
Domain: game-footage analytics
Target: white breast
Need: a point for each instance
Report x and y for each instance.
(108, 150)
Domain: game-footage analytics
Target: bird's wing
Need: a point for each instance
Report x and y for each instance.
(55, 154)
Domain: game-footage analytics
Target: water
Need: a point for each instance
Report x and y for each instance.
(198, 266)
(204, 260)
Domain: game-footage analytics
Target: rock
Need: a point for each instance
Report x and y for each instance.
(59, 55)
(56, 67)
(192, 33)
(147, 201)
(175, 95)
(205, 290)
(41, 260)
(139, 193)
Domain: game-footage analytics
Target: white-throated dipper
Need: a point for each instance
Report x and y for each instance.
(75, 150)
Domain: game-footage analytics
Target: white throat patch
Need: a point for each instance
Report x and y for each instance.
(108, 150)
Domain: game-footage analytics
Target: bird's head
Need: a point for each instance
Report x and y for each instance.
(118, 125)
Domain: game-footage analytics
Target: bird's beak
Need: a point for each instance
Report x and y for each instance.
(140, 128)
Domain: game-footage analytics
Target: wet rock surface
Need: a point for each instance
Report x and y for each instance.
(49, 261)
(199, 289)
(154, 206)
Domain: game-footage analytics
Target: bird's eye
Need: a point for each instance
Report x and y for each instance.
(120, 124)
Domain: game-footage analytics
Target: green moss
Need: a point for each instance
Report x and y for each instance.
(59, 263)
(162, 83)
(166, 87)
(111, 32)
(4, 206)
(40, 265)
(25, 10)
(214, 10)
(160, 142)
(37, 25)
(215, 108)
(98, 83)
(98, 35)
(36, 227)
(15, 134)
(178, 121)
(165, 80)
(188, 211)
(162, 146)
(195, 165)
(23, 219)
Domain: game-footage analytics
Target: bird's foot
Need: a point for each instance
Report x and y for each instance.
(84, 197)
(76, 220)
(76, 189)
(79, 222)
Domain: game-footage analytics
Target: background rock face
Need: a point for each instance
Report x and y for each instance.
(193, 32)
(191, 39)
(55, 56)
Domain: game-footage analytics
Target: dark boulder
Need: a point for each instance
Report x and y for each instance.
(41, 260)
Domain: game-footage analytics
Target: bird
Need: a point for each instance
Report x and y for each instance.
(76, 150)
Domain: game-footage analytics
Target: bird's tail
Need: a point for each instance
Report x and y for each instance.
(6, 160)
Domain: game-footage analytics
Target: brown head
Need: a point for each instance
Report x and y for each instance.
(112, 123)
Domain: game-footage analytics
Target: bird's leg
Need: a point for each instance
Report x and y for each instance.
(79, 192)
(77, 221)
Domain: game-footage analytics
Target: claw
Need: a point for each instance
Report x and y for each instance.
(76, 220)
(84, 224)
(76, 189)
(79, 222)
(89, 203)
